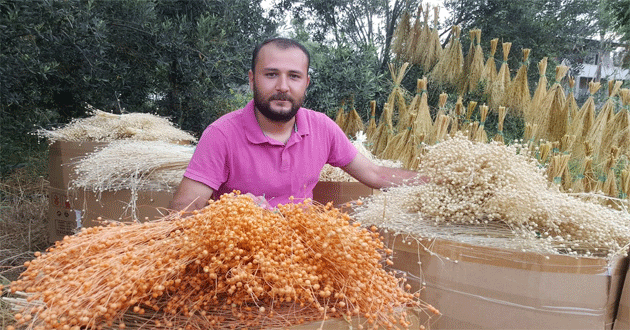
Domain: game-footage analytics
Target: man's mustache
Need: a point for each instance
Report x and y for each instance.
(281, 97)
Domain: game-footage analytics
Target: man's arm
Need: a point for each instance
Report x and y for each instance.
(377, 177)
(190, 195)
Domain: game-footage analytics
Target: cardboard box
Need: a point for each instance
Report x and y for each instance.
(63, 157)
(62, 218)
(489, 288)
(622, 321)
(340, 193)
(71, 210)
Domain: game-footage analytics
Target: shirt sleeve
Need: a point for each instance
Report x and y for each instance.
(209, 163)
(342, 151)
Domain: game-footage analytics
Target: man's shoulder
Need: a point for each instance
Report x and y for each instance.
(316, 117)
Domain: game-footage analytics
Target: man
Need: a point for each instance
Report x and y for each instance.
(273, 148)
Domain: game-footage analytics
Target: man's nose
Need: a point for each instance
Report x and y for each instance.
(282, 84)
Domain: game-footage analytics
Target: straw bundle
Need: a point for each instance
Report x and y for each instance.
(571, 104)
(396, 98)
(415, 32)
(473, 66)
(605, 115)
(423, 121)
(489, 74)
(384, 130)
(470, 109)
(553, 119)
(433, 49)
(448, 69)
(499, 136)
(583, 121)
(534, 110)
(441, 127)
(503, 79)
(423, 31)
(609, 187)
(401, 35)
(481, 192)
(340, 118)
(442, 99)
(354, 123)
(480, 133)
(371, 127)
(457, 115)
(624, 184)
(517, 97)
(135, 165)
(620, 131)
(102, 126)
(557, 166)
(586, 181)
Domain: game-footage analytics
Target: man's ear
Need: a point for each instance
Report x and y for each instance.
(251, 79)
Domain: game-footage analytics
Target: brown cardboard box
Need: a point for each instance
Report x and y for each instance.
(120, 205)
(489, 288)
(62, 159)
(622, 321)
(62, 218)
(70, 210)
(340, 192)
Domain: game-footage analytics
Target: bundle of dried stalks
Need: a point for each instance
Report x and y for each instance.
(480, 134)
(583, 121)
(621, 128)
(473, 65)
(135, 165)
(433, 49)
(423, 121)
(415, 42)
(503, 80)
(103, 126)
(605, 115)
(479, 188)
(397, 97)
(517, 97)
(571, 104)
(401, 35)
(354, 123)
(448, 69)
(340, 118)
(539, 94)
(384, 130)
(489, 74)
(371, 127)
(553, 119)
(499, 136)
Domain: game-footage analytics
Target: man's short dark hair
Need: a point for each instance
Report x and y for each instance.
(282, 43)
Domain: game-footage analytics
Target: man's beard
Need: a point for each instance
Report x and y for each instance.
(264, 106)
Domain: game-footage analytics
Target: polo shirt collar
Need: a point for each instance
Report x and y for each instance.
(254, 132)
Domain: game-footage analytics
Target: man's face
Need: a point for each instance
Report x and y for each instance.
(279, 82)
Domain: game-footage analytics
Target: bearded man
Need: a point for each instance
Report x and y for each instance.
(273, 148)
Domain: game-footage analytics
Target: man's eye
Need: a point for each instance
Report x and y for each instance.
(271, 74)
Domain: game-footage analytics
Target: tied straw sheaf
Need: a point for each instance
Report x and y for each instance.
(230, 265)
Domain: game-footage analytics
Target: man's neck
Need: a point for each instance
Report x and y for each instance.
(280, 131)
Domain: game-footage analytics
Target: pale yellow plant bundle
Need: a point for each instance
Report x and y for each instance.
(384, 130)
(397, 97)
(605, 115)
(415, 32)
(423, 121)
(392, 150)
(539, 94)
(583, 121)
(331, 173)
(572, 107)
(442, 99)
(414, 149)
(433, 50)
(503, 79)
(472, 129)
(624, 184)
(340, 118)
(501, 118)
(371, 127)
(354, 123)
(468, 60)
(557, 166)
(449, 68)
(417, 52)
(103, 126)
(409, 116)
(401, 35)
(494, 194)
(517, 97)
(472, 105)
(480, 134)
(133, 165)
(475, 67)
(586, 181)
(553, 120)
(441, 127)
(621, 129)
(489, 74)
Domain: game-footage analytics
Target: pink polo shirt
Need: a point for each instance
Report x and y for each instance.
(234, 154)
